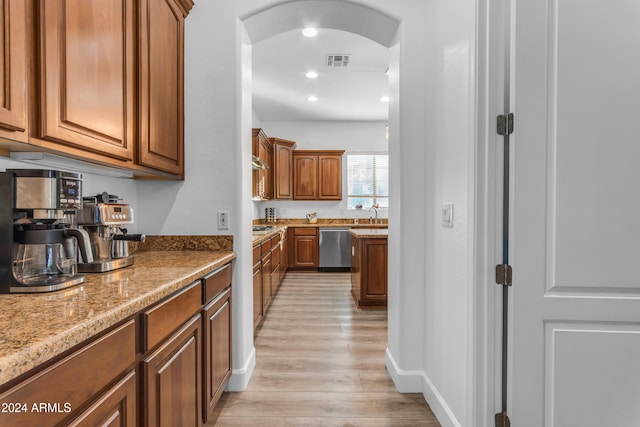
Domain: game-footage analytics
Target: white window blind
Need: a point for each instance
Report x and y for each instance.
(368, 180)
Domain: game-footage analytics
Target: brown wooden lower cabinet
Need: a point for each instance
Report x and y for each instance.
(116, 407)
(369, 271)
(257, 294)
(72, 383)
(172, 393)
(304, 253)
(217, 336)
(164, 366)
(270, 263)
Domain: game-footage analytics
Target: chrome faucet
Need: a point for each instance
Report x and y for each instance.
(371, 217)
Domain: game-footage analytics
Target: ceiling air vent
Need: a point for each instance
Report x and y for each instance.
(338, 61)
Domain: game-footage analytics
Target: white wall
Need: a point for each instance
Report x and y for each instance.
(326, 135)
(431, 146)
(448, 302)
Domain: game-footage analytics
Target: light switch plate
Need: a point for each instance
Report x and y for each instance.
(447, 215)
(223, 220)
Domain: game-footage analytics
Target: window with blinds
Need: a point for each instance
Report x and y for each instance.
(368, 180)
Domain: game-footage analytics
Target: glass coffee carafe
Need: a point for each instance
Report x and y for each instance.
(45, 257)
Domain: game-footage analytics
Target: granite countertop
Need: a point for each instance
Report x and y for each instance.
(38, 327)
(282, 225)
(370, 233)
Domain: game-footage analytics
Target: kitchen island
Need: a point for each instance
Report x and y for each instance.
(369, 267)
(135, 312)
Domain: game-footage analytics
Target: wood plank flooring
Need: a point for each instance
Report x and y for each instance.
(321, 362)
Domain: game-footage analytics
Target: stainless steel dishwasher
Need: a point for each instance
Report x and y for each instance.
(335, 253)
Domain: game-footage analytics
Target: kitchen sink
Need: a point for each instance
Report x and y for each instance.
(263, 229)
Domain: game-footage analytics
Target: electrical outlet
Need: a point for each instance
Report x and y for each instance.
(223, 220)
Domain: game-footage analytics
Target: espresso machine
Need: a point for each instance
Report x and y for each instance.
(39, 244)
(103, 217)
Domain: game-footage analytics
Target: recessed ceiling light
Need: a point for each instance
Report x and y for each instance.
(312, 98)
(384, 99)
(310, 32)
(312, 75)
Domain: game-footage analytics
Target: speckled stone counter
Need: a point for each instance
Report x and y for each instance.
(283, 224)
(37, 327)
(369, 233)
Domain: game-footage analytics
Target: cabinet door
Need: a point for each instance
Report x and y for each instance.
(305, 251)
(266, 155)
(13, 68)
(172, 380)
(257, 295)
(86, 73)
(284, 255)
(116, 407)
(329, 177)
(374, 270)
(275, 268)
(355, 269)
(283, 172)
(217, 349)
(162, 84)
(74, 381)
(305, 181)
(266, 282)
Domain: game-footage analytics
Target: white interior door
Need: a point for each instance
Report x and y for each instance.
(575, 241)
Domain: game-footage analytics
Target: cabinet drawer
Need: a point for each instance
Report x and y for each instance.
(305, 231)
(275, 240)
(73, 381)
(257, 254)
(169, 315)
(266, 247)
(215, 282)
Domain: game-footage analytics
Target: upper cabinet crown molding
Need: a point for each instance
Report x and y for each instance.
(185, 6)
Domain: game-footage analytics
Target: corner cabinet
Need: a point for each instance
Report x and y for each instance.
(162, 84)
(317, 175)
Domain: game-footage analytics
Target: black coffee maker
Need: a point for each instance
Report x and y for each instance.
(40, 242)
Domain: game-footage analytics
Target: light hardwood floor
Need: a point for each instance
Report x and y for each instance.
(321, 362)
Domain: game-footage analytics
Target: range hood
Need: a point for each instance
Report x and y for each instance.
(258, 164)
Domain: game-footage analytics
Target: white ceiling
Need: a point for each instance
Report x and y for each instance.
(280, 88)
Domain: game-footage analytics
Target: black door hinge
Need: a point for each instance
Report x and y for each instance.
(505, 124)
(502, 420)
(503, 274)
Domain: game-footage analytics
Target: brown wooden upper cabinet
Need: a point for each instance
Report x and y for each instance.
(96, 80)
(162, 84)
(282, 168)
(317, 175)
(87, 94)
(13, 63)
(262, 178)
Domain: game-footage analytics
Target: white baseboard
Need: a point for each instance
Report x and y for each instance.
(419, 382)
(240, 377)
(405, 381)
